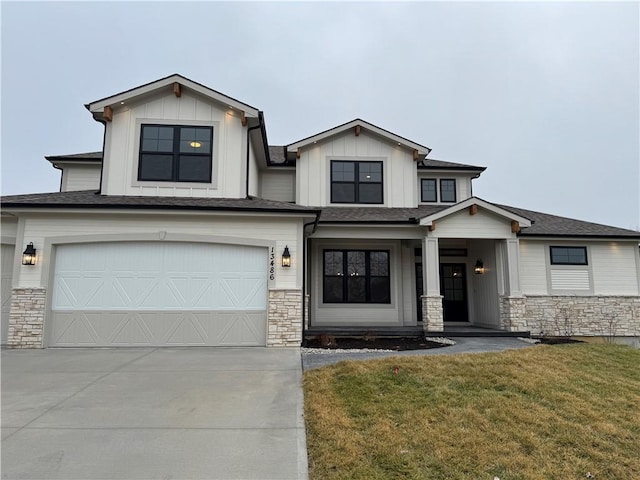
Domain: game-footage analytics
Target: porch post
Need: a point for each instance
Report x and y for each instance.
(512, 303)
(432, 317)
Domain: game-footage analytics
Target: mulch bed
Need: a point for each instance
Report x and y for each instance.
(348, 343)
(556, 340)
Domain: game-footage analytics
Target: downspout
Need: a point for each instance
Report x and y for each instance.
(304, 269)
(260, 125)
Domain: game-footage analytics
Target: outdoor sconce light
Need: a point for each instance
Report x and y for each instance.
(479, 268)
(286, 257)
(29, 255)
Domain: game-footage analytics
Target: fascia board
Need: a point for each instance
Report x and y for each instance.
(428, 220)
(422, 150)
(98, 105)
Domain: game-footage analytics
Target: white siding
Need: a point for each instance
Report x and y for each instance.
(80, 177)
(343, 314)
(562, 279)
(278, 185)
(280, 230)
(483, 224)
(313, 168)
(533, 270)
(615, 269)
(483, 301)
(9, 228)
(6, 270)
(463, 185)
(123, 134)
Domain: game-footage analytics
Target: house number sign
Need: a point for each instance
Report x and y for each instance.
(272, 268)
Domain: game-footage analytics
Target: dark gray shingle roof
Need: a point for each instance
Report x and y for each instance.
(92, 156)
(91, 199)
(377, 214)
(545, 224)
(433, 164)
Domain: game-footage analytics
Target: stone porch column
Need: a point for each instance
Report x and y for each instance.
(432, 316)
(513, 302)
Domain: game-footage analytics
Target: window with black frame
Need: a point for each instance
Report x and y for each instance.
(448, 190)
(356, 182)
(429, 190)
(568, 255)
(356, 276)
(175, 153)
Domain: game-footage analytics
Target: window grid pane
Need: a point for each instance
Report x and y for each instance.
(356, 276)
(162, 153)
(429, 190)
(356, 182)
(448, 190)
(568, 256)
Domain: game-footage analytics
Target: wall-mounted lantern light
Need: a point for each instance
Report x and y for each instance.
(479, 268)
(29, 255)
(286, 257)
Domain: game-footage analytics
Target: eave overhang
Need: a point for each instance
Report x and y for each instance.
(429, 220)
(357, 126)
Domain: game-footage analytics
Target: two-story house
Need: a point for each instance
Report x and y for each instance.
(189, 229)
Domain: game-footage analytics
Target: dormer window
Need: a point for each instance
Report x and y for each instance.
(175, 153)
(356, 182)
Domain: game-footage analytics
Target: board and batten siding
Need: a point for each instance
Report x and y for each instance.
(483, 224)
(282, 231)
(345, 314)
(80, 177)
(278, 186)
(313, 175)
(122, 140)
(483, 298)
(463, 185)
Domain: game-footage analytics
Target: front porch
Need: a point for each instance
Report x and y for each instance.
(452, 330)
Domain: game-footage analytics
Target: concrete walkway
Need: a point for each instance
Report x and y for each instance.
(187, 413)
(463, 345)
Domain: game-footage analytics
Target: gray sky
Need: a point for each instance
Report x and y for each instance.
(546, 95)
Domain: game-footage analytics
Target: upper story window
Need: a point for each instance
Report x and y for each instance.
(175, 153)
(429, 190)
(356, 182)
(568, 255)
(448, 190)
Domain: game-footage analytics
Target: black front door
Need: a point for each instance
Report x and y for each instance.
(453, 288)
(419, 290)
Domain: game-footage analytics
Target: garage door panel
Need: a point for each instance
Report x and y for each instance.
(159, 293)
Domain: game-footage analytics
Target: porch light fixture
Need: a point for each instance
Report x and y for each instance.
(286, 257)
(29, 255)
(479, 268)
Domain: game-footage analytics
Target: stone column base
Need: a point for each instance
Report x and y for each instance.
(512, 314)
(26, 318)
(432, 314)
(284, 318)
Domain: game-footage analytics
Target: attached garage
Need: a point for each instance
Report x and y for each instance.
(6, 270)
(158, 294)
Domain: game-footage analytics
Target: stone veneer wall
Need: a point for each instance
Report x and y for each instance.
(570, 315)
(26, 318)
(284, 318)
(432, 314)
(512, 314)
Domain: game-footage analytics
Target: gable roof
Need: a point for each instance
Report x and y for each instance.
(96, 107)
(381, 132)
(93, 200)
(508, 214)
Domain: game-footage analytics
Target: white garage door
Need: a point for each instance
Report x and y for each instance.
(6, 269)
(159, 293)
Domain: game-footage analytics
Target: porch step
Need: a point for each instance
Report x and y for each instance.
(454, 331)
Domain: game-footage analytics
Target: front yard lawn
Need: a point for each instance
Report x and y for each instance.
(546, 412)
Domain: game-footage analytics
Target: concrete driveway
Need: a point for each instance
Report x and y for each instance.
(187, 413)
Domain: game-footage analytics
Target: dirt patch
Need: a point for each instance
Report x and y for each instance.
(348, 343)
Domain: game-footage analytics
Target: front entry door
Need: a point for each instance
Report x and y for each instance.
(453, 288)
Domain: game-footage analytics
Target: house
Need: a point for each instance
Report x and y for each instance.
(188, 228)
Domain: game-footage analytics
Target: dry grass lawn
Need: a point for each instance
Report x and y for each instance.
(547, 412)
